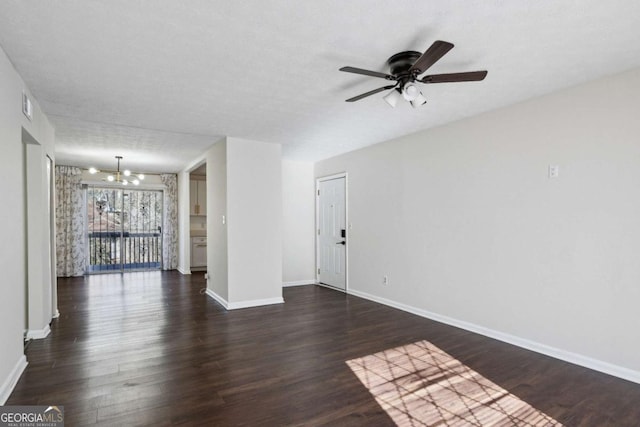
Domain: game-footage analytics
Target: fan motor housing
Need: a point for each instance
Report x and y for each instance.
(401, 62)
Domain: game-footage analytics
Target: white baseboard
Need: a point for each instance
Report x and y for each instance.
(56, 314)
(243, 304)
(38, 334)
(183, 270)
(333, 288)
(299, 283)
(223, 302)
(255, 303)
(567, 356)
(10, 382)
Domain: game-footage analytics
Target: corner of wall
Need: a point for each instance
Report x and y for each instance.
(12, 379)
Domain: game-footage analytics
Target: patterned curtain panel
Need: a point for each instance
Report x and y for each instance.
(70, 252)
(170, 222)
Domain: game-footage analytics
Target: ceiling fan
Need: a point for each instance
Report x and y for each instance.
(406, 68)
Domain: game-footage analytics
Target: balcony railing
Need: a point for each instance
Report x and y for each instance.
(109, 251)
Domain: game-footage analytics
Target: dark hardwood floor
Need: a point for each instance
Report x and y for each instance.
(152, 349)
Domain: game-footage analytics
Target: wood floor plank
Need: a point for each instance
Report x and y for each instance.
(151, 348)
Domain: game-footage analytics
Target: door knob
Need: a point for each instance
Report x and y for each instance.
(341, 243)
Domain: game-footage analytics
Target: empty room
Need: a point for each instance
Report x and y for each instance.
(361, 213)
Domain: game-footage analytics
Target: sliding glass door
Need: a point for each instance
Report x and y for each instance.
(124, 229)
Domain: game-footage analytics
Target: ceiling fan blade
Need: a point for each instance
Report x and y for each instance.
(437, 50)
(367, 72)
(371, 92)
(471, 76)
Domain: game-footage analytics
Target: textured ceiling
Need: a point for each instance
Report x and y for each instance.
(160, 80)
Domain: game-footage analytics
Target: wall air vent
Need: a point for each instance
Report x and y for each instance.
(27, 107)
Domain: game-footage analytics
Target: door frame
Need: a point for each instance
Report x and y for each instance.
(316, 232)
(51, 180)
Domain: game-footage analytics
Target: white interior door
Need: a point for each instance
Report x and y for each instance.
(332, 241)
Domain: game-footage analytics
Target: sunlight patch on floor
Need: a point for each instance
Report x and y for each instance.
(420, 385)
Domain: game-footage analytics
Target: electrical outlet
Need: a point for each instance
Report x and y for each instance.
(385, 280)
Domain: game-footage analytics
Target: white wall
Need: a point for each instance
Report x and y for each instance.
(469, 228)
(13, 260)
(217, 232)
(298, 206)
(298, 212)
(254, 222)
(184, 224)
(244, 250)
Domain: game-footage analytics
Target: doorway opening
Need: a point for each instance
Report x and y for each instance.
(124, 229)
(198, 218)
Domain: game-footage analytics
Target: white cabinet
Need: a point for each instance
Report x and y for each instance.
(198, 252)
(198, 197)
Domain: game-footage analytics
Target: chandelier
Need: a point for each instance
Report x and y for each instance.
(124, 177)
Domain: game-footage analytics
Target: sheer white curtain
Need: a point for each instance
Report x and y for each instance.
(170, 222)
(70, 253)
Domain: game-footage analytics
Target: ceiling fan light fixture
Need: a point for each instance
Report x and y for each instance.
(93, 170)
(419, 101)
(111, 178)
(406, 67)
(410, 92)
(392, 98)
(127, 172)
